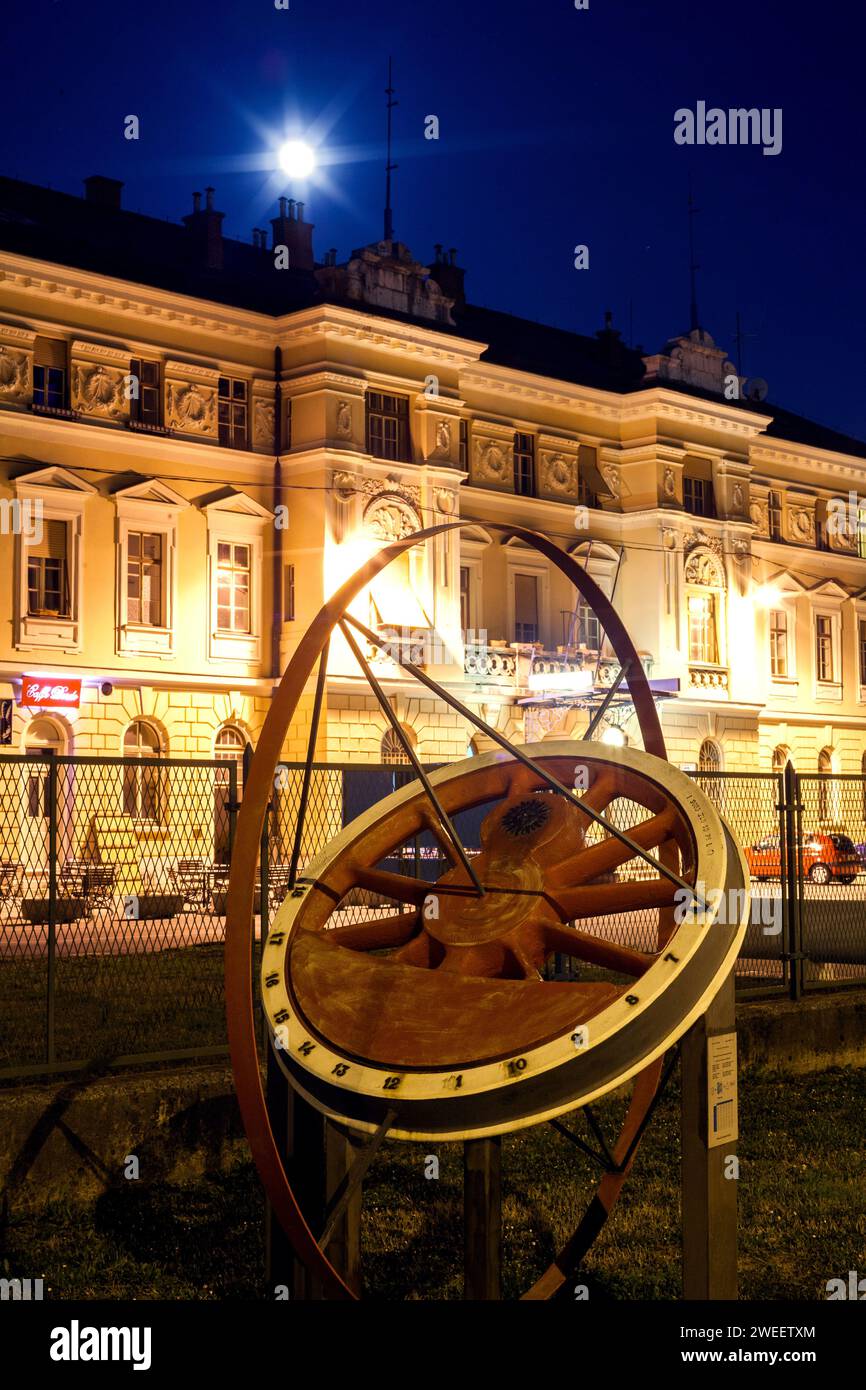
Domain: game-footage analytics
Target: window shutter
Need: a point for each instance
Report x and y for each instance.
(52, 544)
(50, 352)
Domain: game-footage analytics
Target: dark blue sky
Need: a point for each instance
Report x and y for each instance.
(556, 128)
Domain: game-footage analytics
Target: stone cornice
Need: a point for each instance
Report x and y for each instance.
(134, 300)
(334, 321)
(664, 404)
(303, 382)
(549, 390)
(99, 352)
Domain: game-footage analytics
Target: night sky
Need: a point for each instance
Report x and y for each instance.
(556, 128)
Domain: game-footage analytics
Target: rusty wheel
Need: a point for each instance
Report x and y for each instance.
(430, 1018)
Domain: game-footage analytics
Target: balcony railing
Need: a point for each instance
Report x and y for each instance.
(708, 678)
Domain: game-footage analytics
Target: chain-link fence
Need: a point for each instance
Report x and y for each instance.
(112, 907)
(114, 876)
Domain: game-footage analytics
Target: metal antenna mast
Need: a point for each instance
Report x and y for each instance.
(389, 167)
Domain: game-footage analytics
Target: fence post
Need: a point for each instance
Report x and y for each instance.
(794, 924)
(51, 797)
(232, 806)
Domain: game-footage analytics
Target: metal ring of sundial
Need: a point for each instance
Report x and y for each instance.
(453, 1033)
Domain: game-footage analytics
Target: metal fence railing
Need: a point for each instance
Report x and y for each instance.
(112, 908)
(114, 872)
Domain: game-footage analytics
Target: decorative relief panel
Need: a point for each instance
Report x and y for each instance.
(759, 513)
(389, 518)
(343, 425)
(99, 390)
(705, 567)
(801, 522)
(15, 377)
(493, 459)
(442, 447)
(263, 422)
(190, 407)
(557, 473)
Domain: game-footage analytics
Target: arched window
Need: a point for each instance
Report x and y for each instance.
(392, 749)
(825, 768)
(710, 762)
(710, 756)
(781, 757)
(229, 746)
(143, 788)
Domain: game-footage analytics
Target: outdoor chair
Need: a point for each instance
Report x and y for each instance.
(192, 880)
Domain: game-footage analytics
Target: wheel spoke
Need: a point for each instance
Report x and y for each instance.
(405, 888)
(609, 854)
(602, 792)
(570, 941)
(377, 934)
(600, 899)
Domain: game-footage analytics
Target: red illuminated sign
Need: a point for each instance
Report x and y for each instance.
(49, 692)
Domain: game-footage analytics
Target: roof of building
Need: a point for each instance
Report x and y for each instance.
(90, 233)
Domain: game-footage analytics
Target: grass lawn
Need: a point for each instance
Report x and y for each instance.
(802, 1192)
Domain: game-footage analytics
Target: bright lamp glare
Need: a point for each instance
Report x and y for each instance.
(767, 596)
(614, 737)
(296, 159)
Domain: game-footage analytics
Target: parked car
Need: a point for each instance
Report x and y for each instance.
(823, 858)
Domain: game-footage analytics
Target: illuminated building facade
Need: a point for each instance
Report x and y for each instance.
(197, 447)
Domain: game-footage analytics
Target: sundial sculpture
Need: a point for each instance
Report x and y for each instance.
(431, 1021)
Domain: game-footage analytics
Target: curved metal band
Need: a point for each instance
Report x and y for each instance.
(240, 1015)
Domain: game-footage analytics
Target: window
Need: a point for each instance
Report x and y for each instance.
(524, 465)
(232, 412)
(781, 757)
(861, 648)
(710, 763)
(778, 642)
(145, 408)
(774, 515)
(49, 373)
(525, 608)
(703, 641)
(48, 572)
(233, 587)
(861, 532)
(463, 448)
(143, 789)
(144, 569)
(289, 594)
(825, 768)
(464, 598)
(393, 750)
(588, 627)
(387, 426)
(824, 664)
(229, 746)
(698, 496)
(709, 757)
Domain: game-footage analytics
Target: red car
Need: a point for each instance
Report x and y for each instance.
(823, 858)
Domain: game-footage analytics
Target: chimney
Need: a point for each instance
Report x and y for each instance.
(103, 192)
(449, 275)
(205, 225)
(290, 229)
